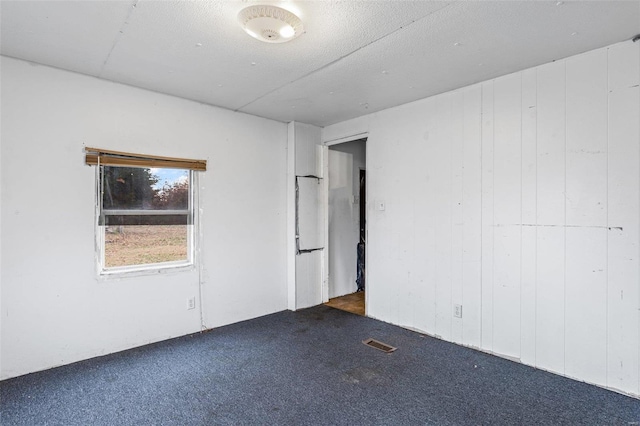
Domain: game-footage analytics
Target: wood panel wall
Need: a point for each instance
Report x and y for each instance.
(519, 199)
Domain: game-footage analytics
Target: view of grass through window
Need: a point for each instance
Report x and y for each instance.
(138, 245)
(146, 215)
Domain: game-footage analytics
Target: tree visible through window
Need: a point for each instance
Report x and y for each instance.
(146, 216)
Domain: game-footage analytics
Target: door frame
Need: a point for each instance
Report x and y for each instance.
(325, 212)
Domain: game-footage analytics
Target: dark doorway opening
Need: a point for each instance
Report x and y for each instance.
(363, 205)
(363, 231)
(347, 231)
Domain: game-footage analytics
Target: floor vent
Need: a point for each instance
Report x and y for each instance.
(379, 345)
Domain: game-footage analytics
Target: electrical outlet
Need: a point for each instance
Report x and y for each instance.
(457, 311)
(191, 303)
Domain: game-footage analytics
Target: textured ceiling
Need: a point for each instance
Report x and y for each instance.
(355, 57)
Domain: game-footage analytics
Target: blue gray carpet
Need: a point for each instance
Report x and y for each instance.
(306, 368)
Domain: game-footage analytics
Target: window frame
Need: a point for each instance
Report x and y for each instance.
(149, 268)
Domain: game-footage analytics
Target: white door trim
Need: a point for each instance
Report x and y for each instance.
(325, 207)
(344, 139)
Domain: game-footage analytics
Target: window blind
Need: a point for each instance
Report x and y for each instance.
(105, 157)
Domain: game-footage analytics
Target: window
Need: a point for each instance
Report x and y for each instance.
(145, 211)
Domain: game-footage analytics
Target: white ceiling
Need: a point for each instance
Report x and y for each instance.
(355, 57)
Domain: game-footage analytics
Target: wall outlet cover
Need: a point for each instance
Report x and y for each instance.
(457, 311)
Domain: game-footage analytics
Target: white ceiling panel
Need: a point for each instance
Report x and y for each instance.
(76, 36)
(354, 58)
(467, 42)
(197, 49)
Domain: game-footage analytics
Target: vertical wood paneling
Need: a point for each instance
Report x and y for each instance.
(381, 274)
(308, 267)
(306, 154)
(291, 216)
(507, 214)
(472, 205)
(586, 321)
(457, 156)
(487, 216)
(406, 220)
(529, 219)
(402, 254)
(586, 199)
(551, 144)
(550, 299)
(550, 217)
(400, 242)
(528, 214)
(586, 129)
(419, 253)
(443, 213)
(424, 302)
(308, 279)
(623, 331)
(426, 314)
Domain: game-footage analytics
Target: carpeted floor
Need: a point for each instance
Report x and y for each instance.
(306, 368)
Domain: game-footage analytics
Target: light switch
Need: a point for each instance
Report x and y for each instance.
(381, 205)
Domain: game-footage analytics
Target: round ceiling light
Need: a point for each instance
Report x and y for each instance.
(270, 24)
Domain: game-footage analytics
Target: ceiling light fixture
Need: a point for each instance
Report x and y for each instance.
(270, 24)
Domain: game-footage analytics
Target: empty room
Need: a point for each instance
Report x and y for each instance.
(319, 212)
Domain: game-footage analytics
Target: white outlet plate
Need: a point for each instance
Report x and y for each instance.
(457, 311)
(191, 303)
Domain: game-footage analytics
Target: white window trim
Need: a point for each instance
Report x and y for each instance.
(163, 268)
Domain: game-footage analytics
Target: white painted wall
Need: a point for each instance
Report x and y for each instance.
(54, 311)
(0, 228)
(518, 198)
(345, 162)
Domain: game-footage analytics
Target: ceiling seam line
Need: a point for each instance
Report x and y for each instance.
(118, 36)
(341, 58)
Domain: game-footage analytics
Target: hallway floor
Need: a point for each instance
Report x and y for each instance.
(353, 303)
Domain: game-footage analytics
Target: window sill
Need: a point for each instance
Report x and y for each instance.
(167, 268)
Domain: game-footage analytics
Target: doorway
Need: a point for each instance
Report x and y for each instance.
(347, 226)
